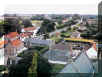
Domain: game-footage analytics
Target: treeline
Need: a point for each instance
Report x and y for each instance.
(12, 24)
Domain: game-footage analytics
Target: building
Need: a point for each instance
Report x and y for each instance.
(38, 42)
(14, 46)
(89, 46)
(78, 68)
(12, 36)
(2, 44)
(32, 30)
(75, 34)
(92, 21)
(59, 53)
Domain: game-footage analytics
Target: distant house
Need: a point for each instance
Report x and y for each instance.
(12, 36)
(65, 20)
(82, 28)
(28, 29)
(1, 18)
(92, 21)
(75, 35)
(32, 30)
(25, 35)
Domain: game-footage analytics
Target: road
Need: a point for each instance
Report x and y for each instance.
(63, 29)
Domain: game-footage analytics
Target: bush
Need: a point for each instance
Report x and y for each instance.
(2, 68)
(44, 50)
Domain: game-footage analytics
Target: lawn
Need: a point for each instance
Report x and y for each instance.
(56, 68)
(38, 23)
(40, 49)
(56, 39)
(66, 34)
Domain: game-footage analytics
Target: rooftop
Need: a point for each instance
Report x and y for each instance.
(12, 34)
(16, 43)
(29, 28)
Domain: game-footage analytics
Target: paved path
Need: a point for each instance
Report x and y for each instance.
(63, 29)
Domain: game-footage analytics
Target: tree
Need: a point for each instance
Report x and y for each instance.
(76, 16)
(27, 23)
(43, 68)
(1, 28)
(32, 71)
(32, 64)
(21, 68)
(11, 24)
(47, 26)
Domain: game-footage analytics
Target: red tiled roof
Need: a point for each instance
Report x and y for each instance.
(25, 34)
(2, 43)
(16, 43)
(12, 34)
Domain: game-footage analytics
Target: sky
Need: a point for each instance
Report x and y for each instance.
(49, 6)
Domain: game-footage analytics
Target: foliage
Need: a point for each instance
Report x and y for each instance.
(37, 17)
(56, 39)
(66, 24)
(2, 68)
(76, 16)
(44, 50)
(21, 69)
(65, 34)
(11, 25)
(26, 23)
(32, 71)
(56, 68)
(1, 28)
(47, 26)
(44, 68)
(90, 32)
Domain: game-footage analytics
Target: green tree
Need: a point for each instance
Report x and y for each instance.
(44, 68)
(11, 24)
(26, 23)
(1, 28)
(32, 71)
(47, 26)
(21, 68)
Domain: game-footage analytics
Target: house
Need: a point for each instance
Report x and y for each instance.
(65, 20)
(14, 46)
(25, 35)
(58, 54)
(12, 36)
(32, 30)
(75, 34)
(92, 21)
(2, 45)
(28, 29)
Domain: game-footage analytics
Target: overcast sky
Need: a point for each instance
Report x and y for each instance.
(49, 6)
